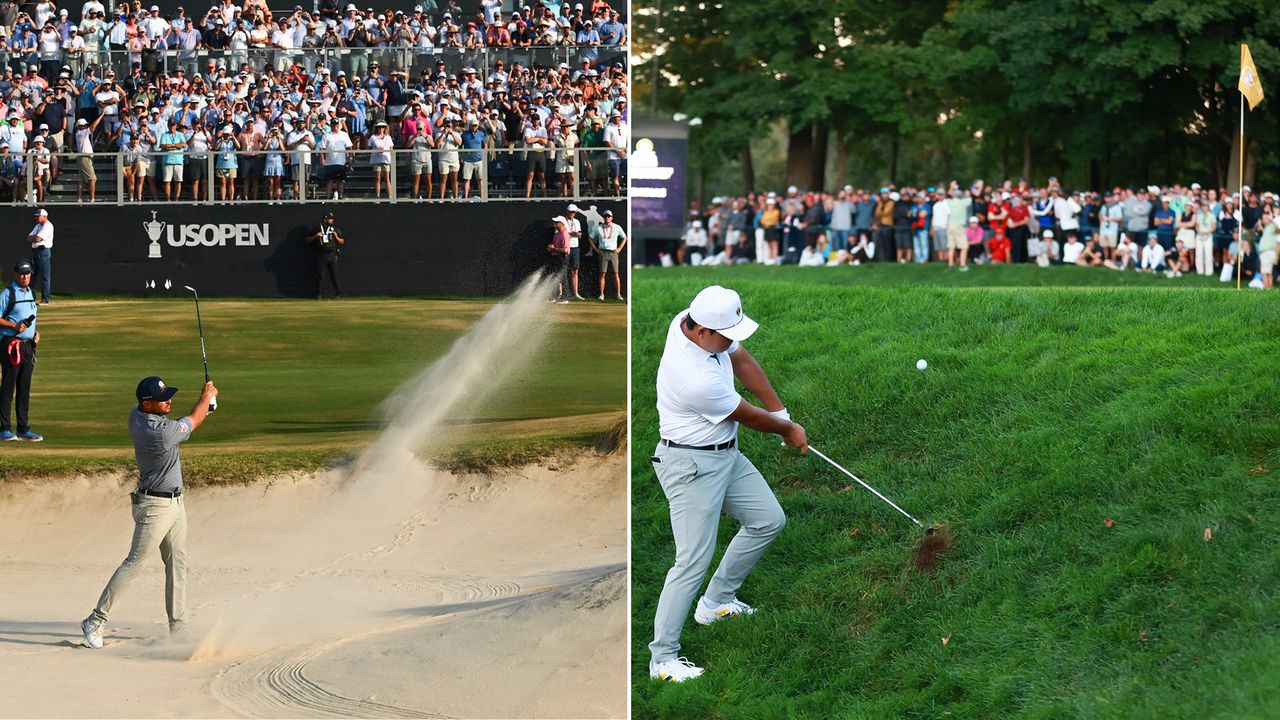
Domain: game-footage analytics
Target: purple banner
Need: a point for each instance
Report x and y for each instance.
(657, 168)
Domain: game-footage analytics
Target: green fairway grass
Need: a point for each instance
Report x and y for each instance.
(1044, 413)
(300, 381)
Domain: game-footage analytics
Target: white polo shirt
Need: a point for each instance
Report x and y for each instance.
(696, 394)
(44, 233)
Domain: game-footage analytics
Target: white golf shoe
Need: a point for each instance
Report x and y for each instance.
(708, 612)
(677, 670)
(92, 630)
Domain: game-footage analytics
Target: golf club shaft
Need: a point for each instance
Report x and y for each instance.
(837, 466)
(204, 357)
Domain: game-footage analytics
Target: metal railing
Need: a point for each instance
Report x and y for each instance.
(353, 61)
(400, 175)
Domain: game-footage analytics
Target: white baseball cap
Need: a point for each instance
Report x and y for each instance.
(559, 219)
(720, 309)
(573, 208)
(1048, 233)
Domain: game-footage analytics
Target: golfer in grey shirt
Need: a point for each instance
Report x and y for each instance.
(703, 473)
(159, 511)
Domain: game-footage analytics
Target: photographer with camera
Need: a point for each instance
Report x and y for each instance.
(329, 241)
(18, 340)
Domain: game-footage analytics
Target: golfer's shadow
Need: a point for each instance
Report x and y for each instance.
(48, 630)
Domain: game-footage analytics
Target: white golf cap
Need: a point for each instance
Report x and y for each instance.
(573, 208)
(559, 219)
(894, 196)
(1048, 233)
(42, 213)
(720, 309)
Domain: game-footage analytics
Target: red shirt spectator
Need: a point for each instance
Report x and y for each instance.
(998, 246)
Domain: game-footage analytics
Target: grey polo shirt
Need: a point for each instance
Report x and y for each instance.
(155, 445)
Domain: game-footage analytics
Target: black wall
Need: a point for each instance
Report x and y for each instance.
(456, 249)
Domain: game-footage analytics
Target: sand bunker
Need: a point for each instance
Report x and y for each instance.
(476, 597)
(386, 589)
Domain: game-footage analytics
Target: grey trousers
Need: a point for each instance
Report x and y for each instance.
(157, 523)
(699, 484)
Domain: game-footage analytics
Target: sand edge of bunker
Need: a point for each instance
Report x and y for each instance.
(211, 467)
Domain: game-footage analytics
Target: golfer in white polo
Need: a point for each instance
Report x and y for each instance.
(702, 471)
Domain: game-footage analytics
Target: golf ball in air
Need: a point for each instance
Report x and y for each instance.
(921, 364)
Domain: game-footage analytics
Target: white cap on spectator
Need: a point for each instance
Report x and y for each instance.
(1195, 186)
(155, 8)
(573, 208)
(1153, 189)
(973, 220)
(894, 196)
(39, 139)
(1246, 188)
(793, 190)
(227, 129)
(351, 8)
(696, 223)
(81, 122)
(42, 213)
(1046, 233)
(559, 219)
(44, 126)
(62, 12)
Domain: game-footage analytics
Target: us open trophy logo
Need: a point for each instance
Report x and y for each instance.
(154, 229)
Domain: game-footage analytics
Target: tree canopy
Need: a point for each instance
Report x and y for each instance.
(1096, 93)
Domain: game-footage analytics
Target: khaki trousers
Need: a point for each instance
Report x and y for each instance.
(699, 485)
(157, 523)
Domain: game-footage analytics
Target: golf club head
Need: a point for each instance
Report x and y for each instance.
(190, 288)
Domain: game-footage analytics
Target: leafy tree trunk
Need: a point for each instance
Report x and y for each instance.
(748, 170)
(842, 158)
(1095, 174)
(1026, 156)
(799, 155)
(946, 161)
(893, 161)
(1251, 163)
(818, 164)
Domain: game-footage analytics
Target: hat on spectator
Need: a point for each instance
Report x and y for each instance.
(62, 12)
(573, 208)
(22, 266)
(44, 126)
(1046, 233)
(894, 196)
(1195, 186)
(227, 130)
(559, 219)
(792, 190)
(81, 122)
(973, 220)
(42, 213)
(39, 139)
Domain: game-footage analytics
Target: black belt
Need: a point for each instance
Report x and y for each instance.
(159, 494)
(682, 446)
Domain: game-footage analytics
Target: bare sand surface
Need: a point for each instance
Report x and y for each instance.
(470, 596)
(383, 589)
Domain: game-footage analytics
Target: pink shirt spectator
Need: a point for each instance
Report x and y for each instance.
(561, 241)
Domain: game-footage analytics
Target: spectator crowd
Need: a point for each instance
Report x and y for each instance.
(265, 106)
(1171, 230)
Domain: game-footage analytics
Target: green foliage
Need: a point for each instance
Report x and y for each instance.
(1123, 91)
(1044, 413)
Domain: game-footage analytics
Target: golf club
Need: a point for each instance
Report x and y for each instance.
(819, 453)
(213, 404)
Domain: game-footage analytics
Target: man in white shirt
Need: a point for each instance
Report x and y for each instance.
(938, 226)
(1072, 249)
(1066, 211)
(702, 472)
(1111, 217)
(615, 137)
(1152, 256)
(608, 239)
(333, 152)
(41, 239)
(84, 158)
(694, 242)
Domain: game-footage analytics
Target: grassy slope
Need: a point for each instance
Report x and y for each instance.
(300, 381)
(1043, 413)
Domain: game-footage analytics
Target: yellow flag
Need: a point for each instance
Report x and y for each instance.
(1250, 85)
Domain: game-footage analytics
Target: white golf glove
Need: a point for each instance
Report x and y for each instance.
(784, 415)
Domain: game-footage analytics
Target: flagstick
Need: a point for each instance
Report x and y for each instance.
(1240, 242)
